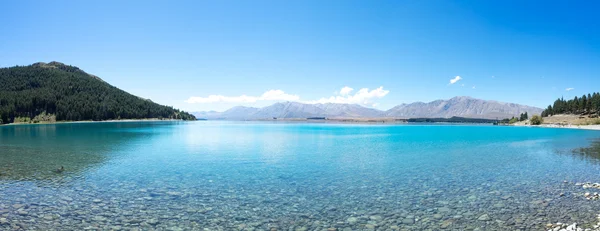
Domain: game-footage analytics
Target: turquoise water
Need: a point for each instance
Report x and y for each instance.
(288, 176)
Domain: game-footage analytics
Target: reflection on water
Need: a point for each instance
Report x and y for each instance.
(36, 152)
(591, 152)
(269, 176)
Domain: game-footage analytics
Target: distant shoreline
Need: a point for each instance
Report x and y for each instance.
(96, 121)
(365, 121)
(395, 121)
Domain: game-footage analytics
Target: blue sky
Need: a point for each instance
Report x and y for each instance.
(181, 52)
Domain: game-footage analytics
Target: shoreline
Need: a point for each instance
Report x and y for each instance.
(386, 121)
(92, 121)
(392, 122)
(580, 127)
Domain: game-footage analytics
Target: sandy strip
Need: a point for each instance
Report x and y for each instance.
(584, 127)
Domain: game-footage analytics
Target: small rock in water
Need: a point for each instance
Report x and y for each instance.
(376, 218)
(408, 221)
(446, 224)
(590, 185)
(352, 220)
(444, 209)
(590, 196)
(153, 222)
(484, 217)
(99, 218)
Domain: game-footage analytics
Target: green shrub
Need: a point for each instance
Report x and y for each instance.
(536, 120)
(22, 120)
(513, 120)
(44, 117)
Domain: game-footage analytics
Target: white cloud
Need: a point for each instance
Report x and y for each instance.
(473, 87)
(278, 95)
(346, 90)
(220, 98)
(456, 79)
(569, 89)
(364, 96)
(271, 95)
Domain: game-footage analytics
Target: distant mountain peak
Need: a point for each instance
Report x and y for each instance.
(461, 98)
(461, 106)
(58, 65)
(63, 67)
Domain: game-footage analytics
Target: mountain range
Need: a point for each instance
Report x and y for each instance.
(461, 106)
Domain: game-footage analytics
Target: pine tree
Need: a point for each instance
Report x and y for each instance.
(581, 104)
(588, 104)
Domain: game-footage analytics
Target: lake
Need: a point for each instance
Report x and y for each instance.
(210, 175)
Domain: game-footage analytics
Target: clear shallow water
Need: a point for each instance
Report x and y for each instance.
(260, 176)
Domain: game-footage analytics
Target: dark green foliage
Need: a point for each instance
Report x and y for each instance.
(585, 105)
(72, 95)
(536, 120)
(523, 116)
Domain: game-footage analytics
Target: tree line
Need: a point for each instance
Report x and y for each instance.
(522, 117)
(70, 94)
(585, 105)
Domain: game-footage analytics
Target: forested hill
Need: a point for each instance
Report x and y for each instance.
(69, 94)
(585, 105)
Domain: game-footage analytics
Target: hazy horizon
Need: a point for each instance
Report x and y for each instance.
(366, 106)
